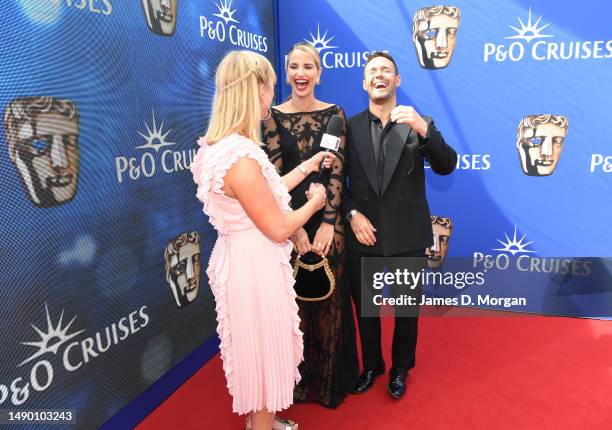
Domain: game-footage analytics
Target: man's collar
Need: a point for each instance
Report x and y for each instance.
(372, 117)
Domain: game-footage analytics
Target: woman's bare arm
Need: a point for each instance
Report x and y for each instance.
(245, 182)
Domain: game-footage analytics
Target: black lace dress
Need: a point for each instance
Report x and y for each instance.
(330, 355)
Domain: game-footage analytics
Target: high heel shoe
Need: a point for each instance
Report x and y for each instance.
(278, 424)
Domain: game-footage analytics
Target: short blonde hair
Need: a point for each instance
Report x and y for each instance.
(306, 47)
(236, 107)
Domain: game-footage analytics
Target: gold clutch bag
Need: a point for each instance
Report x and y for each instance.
(314, 279)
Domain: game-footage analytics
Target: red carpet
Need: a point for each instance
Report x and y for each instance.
(504, 372)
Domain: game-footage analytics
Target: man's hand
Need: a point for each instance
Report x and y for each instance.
(363, 229)
(407, 115)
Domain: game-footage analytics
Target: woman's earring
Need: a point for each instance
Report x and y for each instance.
(267, 117)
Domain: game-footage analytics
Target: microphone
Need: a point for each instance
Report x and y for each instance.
(331, 142)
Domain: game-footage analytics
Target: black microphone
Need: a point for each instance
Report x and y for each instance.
(331, 142)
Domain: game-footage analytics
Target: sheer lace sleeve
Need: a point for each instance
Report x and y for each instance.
(336, 181)
(271, 140)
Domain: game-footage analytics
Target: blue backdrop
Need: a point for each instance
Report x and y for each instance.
(103, 102)
(512, 60)
(478, 101)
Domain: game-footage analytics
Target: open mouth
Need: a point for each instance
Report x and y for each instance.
(380, 85)
(301, 84)
(59, 181)
(545, 163)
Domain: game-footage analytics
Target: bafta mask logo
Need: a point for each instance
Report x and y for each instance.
(161, 16)
(434, 33)
(442, 230)
(539, 142)
(42, 137)
(182, 258)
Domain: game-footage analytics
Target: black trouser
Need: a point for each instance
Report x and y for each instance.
(404, 332)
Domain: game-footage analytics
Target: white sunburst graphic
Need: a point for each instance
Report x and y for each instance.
(529, 31)
(225, 11)
(155, 138)
(320, 42)
(51, 339)
(514, 245)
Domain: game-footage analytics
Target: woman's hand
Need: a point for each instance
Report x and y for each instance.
(300, 241)
(324, 239)
(314, 162)
(319, 192)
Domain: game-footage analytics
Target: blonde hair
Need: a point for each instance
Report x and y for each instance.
(236, 107)
(306, 47)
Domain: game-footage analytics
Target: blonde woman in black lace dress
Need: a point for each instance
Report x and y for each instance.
(292, 135)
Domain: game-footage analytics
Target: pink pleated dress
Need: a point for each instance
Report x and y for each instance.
(251, 279)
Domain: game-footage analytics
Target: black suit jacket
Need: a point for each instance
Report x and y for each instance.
(398, 210)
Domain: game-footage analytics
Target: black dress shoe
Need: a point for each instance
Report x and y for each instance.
(397, 384)
(366, 379)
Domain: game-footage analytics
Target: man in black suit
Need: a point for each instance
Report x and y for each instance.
(386, 205)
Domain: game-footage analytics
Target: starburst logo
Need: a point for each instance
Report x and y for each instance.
(514, 245)
(320, 42)
(51, 339)
(529, 31)
(155, 138)
(225, 11)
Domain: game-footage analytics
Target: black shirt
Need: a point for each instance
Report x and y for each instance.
(379, 142)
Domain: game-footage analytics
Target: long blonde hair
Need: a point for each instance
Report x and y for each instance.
(236, 106)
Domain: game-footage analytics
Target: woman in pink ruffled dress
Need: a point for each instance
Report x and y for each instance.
(249, 272)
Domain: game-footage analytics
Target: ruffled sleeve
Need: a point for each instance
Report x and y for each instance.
(196, 166)
(212, 162)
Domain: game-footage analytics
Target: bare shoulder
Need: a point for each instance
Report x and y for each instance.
(321, 105)
(243, 167)
(240, 175)
(284, 107)
(287, 107)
